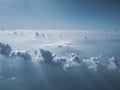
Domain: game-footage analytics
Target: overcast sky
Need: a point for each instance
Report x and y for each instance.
(60, 14)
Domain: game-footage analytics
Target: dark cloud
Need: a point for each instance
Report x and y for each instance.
(47, 55)
(5, 49)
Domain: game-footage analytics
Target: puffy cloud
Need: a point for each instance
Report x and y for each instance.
(65, 62)
(5, 49)
(22, 54)
(47, 55)
(36, 56)
(114, 63)
(60, 61)
(74, 58)
(92, 63)
(72, 61)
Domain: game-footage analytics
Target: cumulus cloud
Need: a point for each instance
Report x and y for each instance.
(93, 63)
(60, 61)
(47, 56)
(23, 54)
(5, 49)
(72, 60)
(65, 62)
(114, 63)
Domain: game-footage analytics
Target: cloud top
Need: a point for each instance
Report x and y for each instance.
(72, 60)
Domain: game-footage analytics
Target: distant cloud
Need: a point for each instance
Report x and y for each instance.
(62, 43)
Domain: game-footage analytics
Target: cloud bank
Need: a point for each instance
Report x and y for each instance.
(45, 56)
(42, 69)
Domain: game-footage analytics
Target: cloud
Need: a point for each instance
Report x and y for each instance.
(47, 56)
(93, 63)
(65, 62)
(114, 63)
(60, 61)
(23, 54)
(74, 58)
(55, 72)
(5, 49)
(62, 43)
(70, 61)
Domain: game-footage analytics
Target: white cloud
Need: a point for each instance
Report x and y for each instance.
(114, 63)
(70, 61)
(62, 43)
(24, 54)
(92, 63)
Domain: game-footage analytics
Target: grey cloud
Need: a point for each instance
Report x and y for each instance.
(5, 49)
(73, 57)
(47, 55)
(23, 54)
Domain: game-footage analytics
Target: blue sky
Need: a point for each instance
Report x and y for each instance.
(59, 14)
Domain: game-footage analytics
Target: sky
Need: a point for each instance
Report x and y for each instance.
(60, 14)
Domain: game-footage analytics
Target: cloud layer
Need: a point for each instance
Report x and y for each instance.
(45, 56)
(32, 60)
